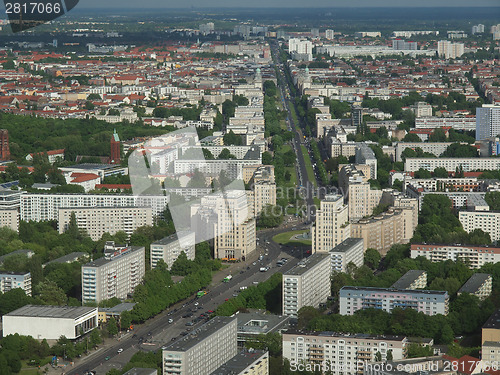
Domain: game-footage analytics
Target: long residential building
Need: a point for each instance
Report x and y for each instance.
(114, 276)
(342, 353)
(307, 284)
(457, 123)
(487, 121)
(169, 248)
(435, 148)
(246, 362)
(479, 284)
(44, 207)
(203, 350)
(474, 256)
(430, 302)
(97, 221)
(332, 224)
(451, 164)
(487, 221)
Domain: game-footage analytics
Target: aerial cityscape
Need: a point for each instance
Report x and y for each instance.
(250, 189)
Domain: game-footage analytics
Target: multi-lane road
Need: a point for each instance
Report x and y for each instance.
(158, 332)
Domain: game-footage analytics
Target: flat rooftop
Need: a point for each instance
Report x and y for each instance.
(346, 245)
(172, 238)
(93, 166)
(196, 336)
(365, 336)
(494, 344)
(474, 283)
(118, 309)
(407, 279)
(239, 362)
(255, 323)
(72, 257)
(56, 312)
(307, 264)
(141, 371)
(389, 290)
(102, 261)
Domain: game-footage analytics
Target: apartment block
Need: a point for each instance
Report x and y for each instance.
(115, 275)
(420, 109)
(488, 221)
(169, 248)
(362, 200)
(450, 50)
(97, 221)
(202, 351)
(467, 123)
(45, 207)
(474, 256)
(491, 329)
(253, 324)
(365, 155)
(349, 251)
(490, 351)
(9, 219)
(487, 121)
(10, 280)
(408, 205)
(332, 224)
(451, 164)
(479, 284)
(382, 231)
(430, 302)
(341, 352)
(246, 362)
(435, 148)
(411, 280)
(306, 284)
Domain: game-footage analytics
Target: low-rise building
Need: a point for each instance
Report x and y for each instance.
(430, 302)
(246, 362)
(346, 252)
(106, 313)
(50, 322)
(306, 284)
(413, 279)
(491, 329)
(202, 351)
(252, 324)
(479, 284)
(169, 248)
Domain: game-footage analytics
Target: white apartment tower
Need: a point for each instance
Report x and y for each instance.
(332, 224)
(487, 121)
(450, 50)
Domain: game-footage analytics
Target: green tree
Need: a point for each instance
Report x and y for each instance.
(372, 258)
(112, 327)
(440, 172)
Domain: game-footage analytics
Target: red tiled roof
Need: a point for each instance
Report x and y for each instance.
(82, 177)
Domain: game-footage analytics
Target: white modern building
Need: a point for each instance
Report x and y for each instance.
(342, 353)
(97, 221)
(11, 280)
(300, 49)
(306, 284)
(430, 302)
(50, 322)
(487, 121)
(487, 221)
(450, 50)
(246, 362)
(169, 248)
(203, 350)
(348, 251)
(115, 275)
(467, 123)
(451, 164)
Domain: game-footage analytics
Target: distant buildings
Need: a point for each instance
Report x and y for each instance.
(115, 275)
(343, 353)
(487, 121)
(169, 248)
(207, 28)
(487, 221)
(451, 164)
(50, 322)
(429, 302)
(473, 256)
(450, 50)
(409, 34)
(300, 49)
(349, 251)
(477, 29)
(11, 280)
(202, 351)
(329, 34)
(457, 123)
(332, 224)
(307, 284)
(399, 44)
(369, 34)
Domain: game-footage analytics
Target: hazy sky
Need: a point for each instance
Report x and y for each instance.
(280, 3)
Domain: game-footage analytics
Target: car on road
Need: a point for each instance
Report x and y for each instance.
(189, 324)
(107, 358)
(254, 263)
(120, 350)
(170, 321)
(196, 303)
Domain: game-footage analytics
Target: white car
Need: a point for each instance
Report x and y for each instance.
(196, 303)
(170, 320)
(120, 350)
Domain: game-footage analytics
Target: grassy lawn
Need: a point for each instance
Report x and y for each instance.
(309, 168)
(284, 238)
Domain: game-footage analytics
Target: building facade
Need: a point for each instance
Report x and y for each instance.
(114, 276)
(451, 164)
(349, 251)
(332, 224)
(10, 280)
(430, 302)
(169, 248)
(307, 284)
(342, 353)
(479, 284)
(487, 221)
(246, 362)
(487, 121)
(97, 221)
